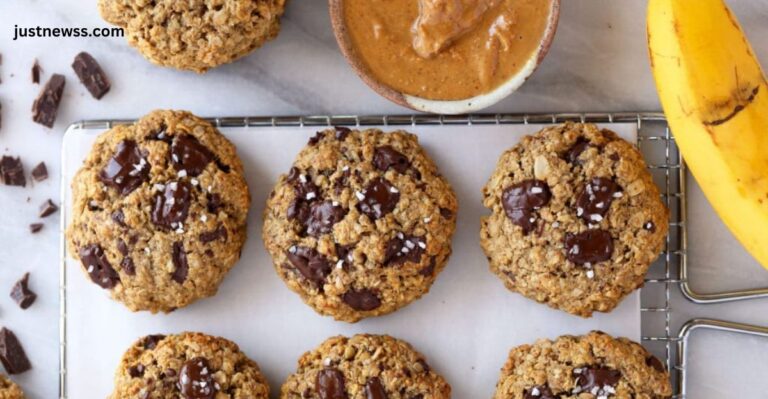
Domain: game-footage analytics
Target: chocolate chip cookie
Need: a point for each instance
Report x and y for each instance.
(195, 35)
(361, 225)
(591, 366)
(364, 366)
(188, 366)
(159, 211)
(576, 219)
(9, 389)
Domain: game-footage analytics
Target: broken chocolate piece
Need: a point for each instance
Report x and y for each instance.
(127, 169)
(36, 72)
(48, 208)
(40, 172)
(35, 227)
(47, 103)
(12, 354)
(91, 75)
(21, 293)
(12, 171)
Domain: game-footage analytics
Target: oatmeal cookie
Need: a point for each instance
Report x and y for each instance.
(9, 389)
(591, 366)
(362, 224)
(159, 211)
(576, 219)
(195, 35)
(188, 366)
(364, 366)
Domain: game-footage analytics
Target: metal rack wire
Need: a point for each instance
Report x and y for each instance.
(665, 164)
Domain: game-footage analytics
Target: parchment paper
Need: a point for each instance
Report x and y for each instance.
(465, 326)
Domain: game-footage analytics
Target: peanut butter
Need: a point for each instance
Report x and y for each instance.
(445, 49)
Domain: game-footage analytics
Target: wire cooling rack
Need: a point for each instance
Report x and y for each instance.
(665, 164)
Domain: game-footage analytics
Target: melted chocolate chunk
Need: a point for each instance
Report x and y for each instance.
(220, 233)
(386, 157)
(374, 389)
(171, 207)
(12, 354)
(128, 267)
(126, 170)
(378, 199)
(214, 202)
(196, 380)
(40, 172)
(362, 300)
(649, 226)
(160, 135)
(429, 270)
(595, 199)
(539, 392)
(21, 294)
(122, 247)
(91, 75)
(342, 132)
(597, 377)
(402, 248)
(521, 200)
(322, 217)
(96, 264)
(189, 155)
(316, 138)
(330, 384)
(181, 267)
(150, 341)
(446, 213)
(591, 246)
(653, 361)
(119, 217)
(311, 264)
(46, 106)
(573, 153)
(12, 171)
(136, 371)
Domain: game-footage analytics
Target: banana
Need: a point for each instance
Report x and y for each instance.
(715, 97)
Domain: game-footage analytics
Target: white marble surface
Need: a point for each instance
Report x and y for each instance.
(598, 63)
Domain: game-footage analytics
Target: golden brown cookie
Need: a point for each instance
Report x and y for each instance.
(195, 35)
(159, 211)
(362, 224)
(576, 219)
(9, 389)
(364, 366)
(591, 366)
(188, 366)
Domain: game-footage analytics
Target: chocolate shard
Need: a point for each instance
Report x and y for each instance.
(36, 72)
(48, 208)
(46, 105)
(21, 293)
(12, 354)
(35, 227)
(91, 75)
(12, 171)
(40, 172)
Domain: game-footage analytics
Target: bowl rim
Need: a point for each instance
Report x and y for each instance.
(468, 105)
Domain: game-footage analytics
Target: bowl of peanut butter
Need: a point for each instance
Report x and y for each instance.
(444, 56)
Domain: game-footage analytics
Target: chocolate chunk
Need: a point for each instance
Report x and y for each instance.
(573, 153)
(12, 354)
(386, 157)
(40, 172)
(446, 213)
(91, 75)
(21, 293)
(128, 267)
(214, 202)
(316, 138)
(196, 380)
(127, 169)
(93, 206)
(653, 361)
(322, 216)
(539, 392)
(330, 384)
(311, 264)
(378, 199)
(649, 226)
(119, 217)
(122, 247)
(150, 341)
(342, 132)
(171, 207)
(181, 267)
(521, 200)
(374, 389)
(595, 199)
(362, 300)
(170, 373)
(35, 227)
(403, 248)
(48, 208)
(12, 171)
(96, 264)
(602, 379)
(189, 155)
(429, 270)
(136, 371)
(213, 235)
(36, 72)
(46, 105)
(591, 246)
